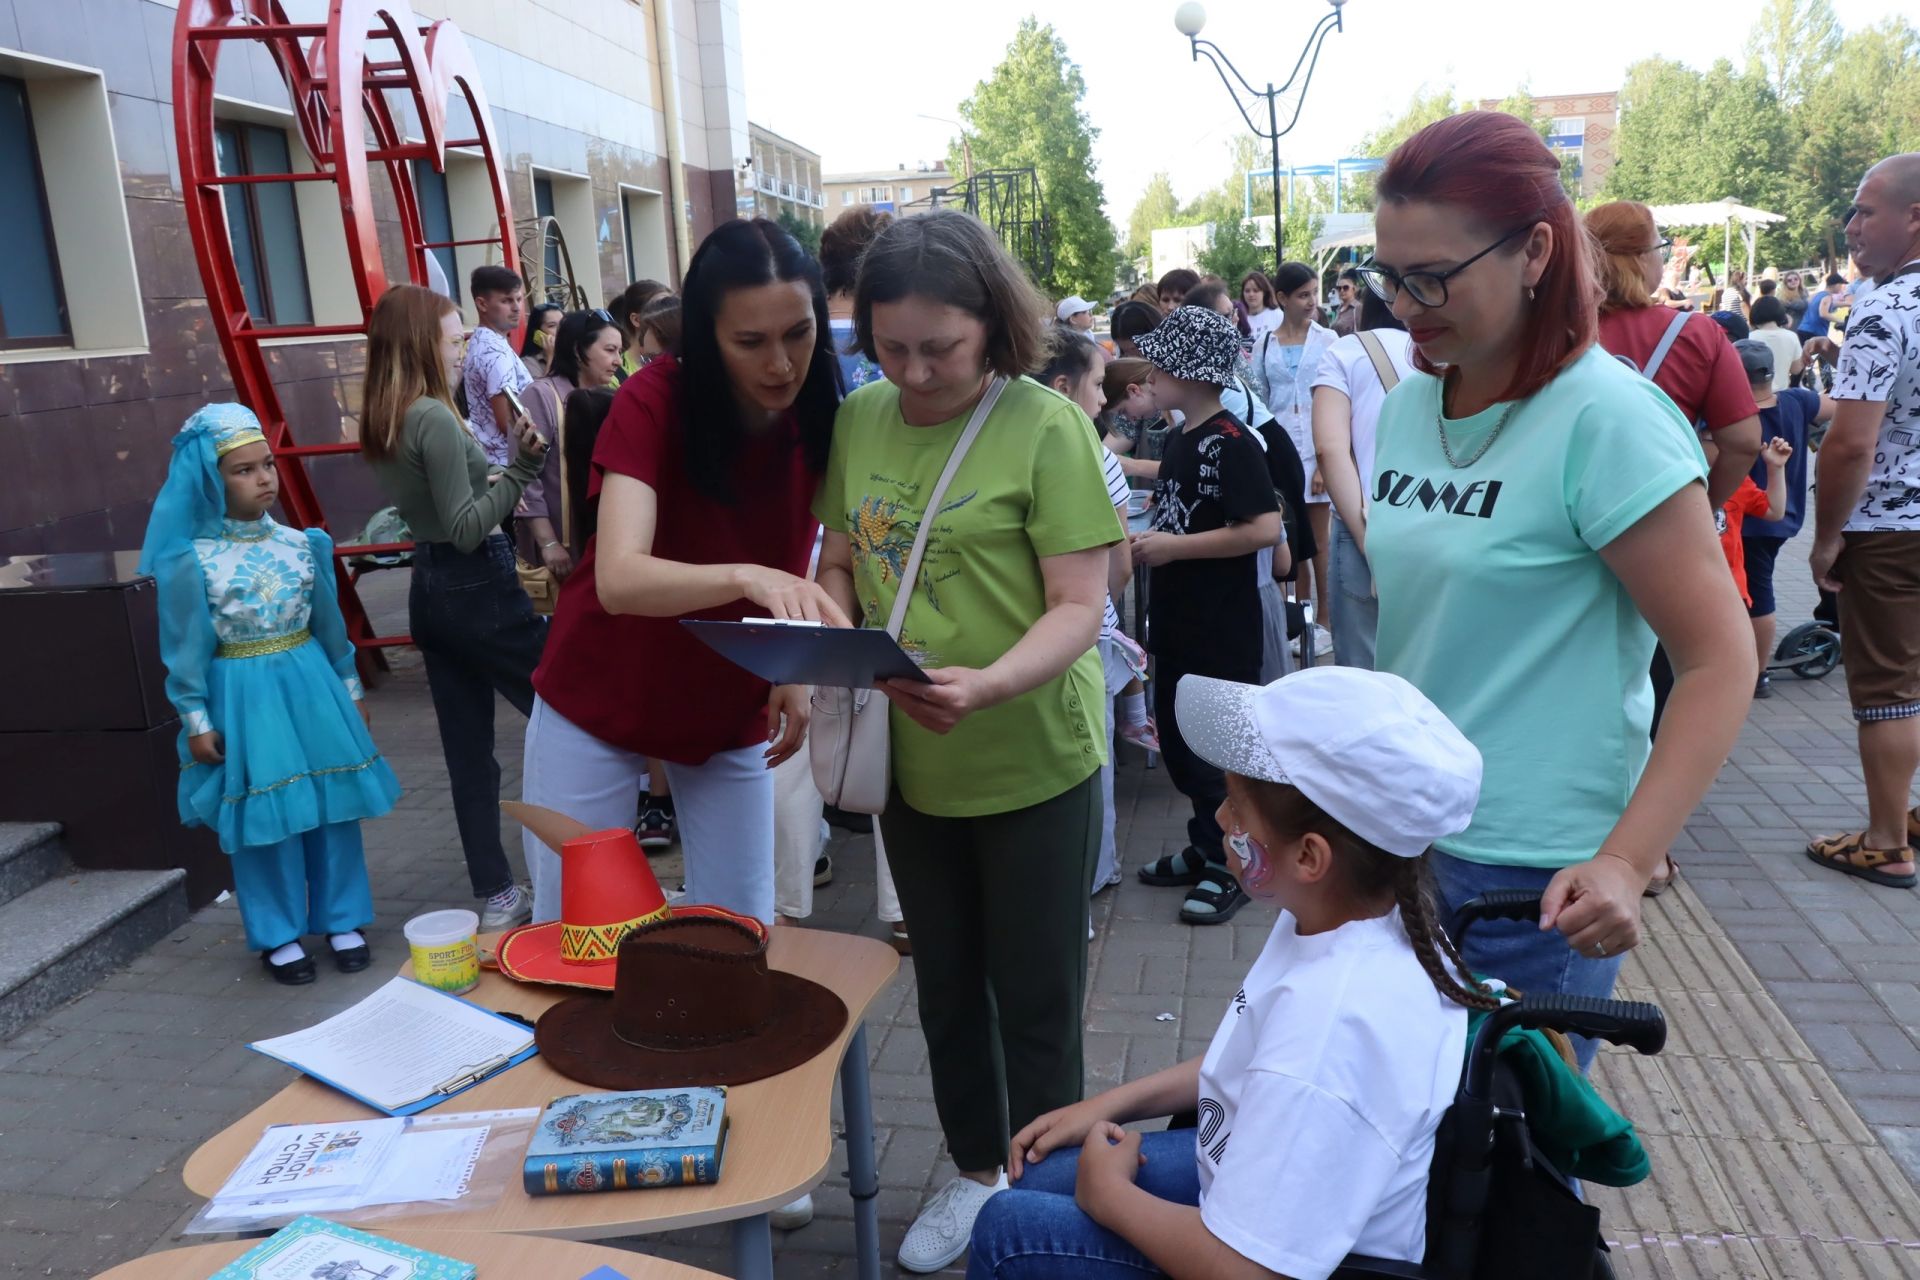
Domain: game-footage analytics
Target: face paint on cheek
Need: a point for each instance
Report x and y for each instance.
(1256, 867)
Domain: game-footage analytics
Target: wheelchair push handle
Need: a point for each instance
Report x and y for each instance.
(1494, 904)
(1634, 1023)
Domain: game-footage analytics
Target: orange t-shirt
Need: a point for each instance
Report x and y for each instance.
(1748, 500)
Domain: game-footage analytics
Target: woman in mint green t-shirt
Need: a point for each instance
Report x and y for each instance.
(994, 821)
(1536, 518)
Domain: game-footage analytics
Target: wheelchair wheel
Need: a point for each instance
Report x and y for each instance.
(1810, 650)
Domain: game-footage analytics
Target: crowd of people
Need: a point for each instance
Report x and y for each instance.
(1537, 510)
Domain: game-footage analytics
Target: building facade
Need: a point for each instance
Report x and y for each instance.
(887, 189)
(784, 178)
(623, 123)
(1585, 129)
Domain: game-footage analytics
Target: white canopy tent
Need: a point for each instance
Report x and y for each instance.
(1722, 211)
(1325, 246)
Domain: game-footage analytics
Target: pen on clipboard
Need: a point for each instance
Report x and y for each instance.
(473, 1075)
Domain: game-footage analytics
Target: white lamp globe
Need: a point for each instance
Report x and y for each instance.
(1189, 18)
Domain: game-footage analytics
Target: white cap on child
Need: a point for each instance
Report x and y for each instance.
(1365, 746)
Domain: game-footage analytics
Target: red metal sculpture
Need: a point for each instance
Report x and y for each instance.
(337, 84)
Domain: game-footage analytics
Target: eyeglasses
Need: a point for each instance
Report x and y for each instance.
(1344, 288)
(601, 313)
(1428, 288)
(1664, 249)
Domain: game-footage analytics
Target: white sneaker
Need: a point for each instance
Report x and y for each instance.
(511, 906)
(945, 1226)
(791, 1217)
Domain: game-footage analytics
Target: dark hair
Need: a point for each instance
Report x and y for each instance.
(1131, 319)
(1768, 309)
(1734, 324)
(577, 331)
(1292, 275)
(1835, 279)
(1376, 312)
(1207, 296)
(632, 301)
(662, 317)
(1767, 287)
(739, 254)
(1069, 355)
(844, 240)
(1266, 288)
(534, 315)
(584, 415)
(1351, 275)
(950, 257)
(1496, 171)
(493, 278)
(1180, 280)
(1371, 872)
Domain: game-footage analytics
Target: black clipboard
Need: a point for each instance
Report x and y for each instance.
(789, 653)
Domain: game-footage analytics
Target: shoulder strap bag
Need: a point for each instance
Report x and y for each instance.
(849, 744)
(542, 588)
(1382, 364)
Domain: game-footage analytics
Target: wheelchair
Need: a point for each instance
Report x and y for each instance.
(1496, 1209)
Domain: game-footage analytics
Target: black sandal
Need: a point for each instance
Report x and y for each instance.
(1214, 898)
(294, 973)
(1174, 869)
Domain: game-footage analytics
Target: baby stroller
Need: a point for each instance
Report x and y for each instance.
(1496, 1210)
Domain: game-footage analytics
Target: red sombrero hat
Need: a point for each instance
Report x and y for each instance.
(607, 890)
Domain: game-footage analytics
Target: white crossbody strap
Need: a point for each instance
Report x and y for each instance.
(912, 573)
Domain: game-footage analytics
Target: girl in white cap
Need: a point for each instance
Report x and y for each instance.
(1321, 1092)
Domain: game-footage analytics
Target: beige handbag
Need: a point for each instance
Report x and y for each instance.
(542, 588)
(850, 745)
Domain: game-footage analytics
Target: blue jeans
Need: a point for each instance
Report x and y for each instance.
(1356, 610)
(1519, 952)
(1036, 1231)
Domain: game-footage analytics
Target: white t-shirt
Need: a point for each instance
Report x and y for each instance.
(1881, 361)
(1119, 493)
(1264, 323)
(1319, 1098)
(1347, 368)
(1786, 349)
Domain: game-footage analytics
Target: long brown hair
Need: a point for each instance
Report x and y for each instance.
(1370, 873)
(950, 257)
(1123, 372)
(1623, 230)
(403, 364)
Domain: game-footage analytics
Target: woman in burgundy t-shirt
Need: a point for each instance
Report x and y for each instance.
(704, 474)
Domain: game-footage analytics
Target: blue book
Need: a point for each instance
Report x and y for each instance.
(310, 1247)
(621, 1141)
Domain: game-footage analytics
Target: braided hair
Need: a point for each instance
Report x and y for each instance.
(1371, 872)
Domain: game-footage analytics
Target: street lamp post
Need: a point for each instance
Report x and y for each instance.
(1190, 17)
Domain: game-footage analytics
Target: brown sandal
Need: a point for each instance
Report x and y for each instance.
(1660, 884)
(897, 938)
(1849, 855)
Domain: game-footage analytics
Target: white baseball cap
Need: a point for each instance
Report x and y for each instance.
(1070, 307)
(1365, 746)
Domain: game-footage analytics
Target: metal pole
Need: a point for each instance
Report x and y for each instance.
(1273, 137)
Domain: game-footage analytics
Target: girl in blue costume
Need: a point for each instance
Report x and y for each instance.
(274, 750)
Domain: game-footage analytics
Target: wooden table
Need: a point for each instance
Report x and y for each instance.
(502, 1258)
(781, 1140)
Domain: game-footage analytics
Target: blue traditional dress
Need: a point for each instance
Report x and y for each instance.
(257, 650)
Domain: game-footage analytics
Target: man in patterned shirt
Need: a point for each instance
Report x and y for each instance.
(1867, 538)
(493, 367)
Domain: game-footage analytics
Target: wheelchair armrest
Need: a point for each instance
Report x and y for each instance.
(1357, 1266)
(1495, 904)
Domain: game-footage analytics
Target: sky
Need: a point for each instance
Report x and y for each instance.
(855, 88)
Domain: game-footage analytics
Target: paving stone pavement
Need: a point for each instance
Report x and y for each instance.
(1780, 1118)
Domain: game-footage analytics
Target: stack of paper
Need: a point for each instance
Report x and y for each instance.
(333, 1168)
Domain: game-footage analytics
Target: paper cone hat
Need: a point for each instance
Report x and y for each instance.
(607, 890)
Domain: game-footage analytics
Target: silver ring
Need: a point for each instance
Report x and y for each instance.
(1600, 948)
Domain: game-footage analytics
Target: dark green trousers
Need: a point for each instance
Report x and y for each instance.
(997, 908)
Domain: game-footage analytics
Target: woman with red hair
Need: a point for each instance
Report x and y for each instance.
(1538, 516)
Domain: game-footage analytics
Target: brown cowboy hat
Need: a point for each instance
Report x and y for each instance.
(693, 1003)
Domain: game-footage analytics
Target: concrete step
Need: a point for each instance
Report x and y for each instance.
(30, 855)
(58, 939)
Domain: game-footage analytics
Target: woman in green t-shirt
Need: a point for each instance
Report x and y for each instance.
(1538, 516)
(994, 822)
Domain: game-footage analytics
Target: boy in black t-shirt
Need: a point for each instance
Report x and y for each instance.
(1214, 510)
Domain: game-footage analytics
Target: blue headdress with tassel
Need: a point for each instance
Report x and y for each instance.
(193, 499)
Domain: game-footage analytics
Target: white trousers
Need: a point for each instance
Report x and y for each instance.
(724, 807)
(798, 839)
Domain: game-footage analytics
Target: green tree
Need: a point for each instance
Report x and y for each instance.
(1793, 45)
(1232, 251)
(1156, 208)
(1426, 106)
(1028, 114)
(1866, 108)
(800, 229)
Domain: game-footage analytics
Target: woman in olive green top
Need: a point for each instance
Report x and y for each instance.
(472, 622)
(994, 822)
